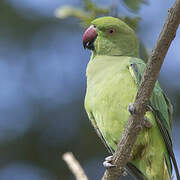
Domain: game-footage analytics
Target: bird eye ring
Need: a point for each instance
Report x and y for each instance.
(110, 32)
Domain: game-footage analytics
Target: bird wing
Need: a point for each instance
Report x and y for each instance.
(161, 108)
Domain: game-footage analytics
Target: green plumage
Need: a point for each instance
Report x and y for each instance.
(113, 76)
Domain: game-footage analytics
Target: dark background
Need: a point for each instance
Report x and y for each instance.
(42, 88)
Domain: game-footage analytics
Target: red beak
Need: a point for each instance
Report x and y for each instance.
(89, 37)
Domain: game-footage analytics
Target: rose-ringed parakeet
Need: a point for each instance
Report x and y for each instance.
(113, 77)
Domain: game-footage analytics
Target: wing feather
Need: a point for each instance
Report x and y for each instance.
(162, 110)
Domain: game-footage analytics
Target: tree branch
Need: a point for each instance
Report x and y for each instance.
(74, 166)
(123, 152)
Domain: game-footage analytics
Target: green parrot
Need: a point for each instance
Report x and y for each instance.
(113, 77)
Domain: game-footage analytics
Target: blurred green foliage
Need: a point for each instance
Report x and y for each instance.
(90, 10)
(135, 4)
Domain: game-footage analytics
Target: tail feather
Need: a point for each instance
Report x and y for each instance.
(167, 175)
(175, 166)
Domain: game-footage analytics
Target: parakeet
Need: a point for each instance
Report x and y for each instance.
(113, 76)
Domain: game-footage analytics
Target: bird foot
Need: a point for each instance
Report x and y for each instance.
(146, 123)
(149, 108)
(131, 108)
(124, 173)
(107, 163)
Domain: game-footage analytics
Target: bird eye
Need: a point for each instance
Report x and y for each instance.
(110, 31)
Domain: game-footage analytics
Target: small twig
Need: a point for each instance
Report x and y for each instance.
(74, 166)
(129, 136)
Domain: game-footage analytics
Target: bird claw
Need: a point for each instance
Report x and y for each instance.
(109, 158)
(146, 123)
(124, 173)
(149, 108)
(107, 163)
(131, 108)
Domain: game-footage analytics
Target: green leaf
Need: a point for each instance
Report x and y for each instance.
(134, 5)
(92, 7)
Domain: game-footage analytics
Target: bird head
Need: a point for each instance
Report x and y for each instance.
(111, 36)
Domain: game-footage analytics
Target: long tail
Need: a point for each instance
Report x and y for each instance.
(175, 166)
